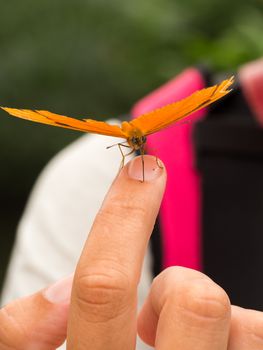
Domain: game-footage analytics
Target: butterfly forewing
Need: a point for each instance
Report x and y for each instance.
(85, 125)
(160, 118)
(147, 123)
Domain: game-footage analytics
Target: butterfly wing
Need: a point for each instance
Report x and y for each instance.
(161, 118)
(85, 125)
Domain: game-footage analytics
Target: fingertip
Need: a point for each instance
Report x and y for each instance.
(60, 292)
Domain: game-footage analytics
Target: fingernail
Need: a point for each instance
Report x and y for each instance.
(150, 166)
(60, 292)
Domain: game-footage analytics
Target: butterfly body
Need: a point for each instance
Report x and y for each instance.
(134, 136)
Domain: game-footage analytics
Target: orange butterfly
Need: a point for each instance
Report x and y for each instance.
(134, 131)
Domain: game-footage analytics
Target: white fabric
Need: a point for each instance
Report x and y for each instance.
(59, 214)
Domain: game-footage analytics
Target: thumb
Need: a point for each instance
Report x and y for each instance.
(37, 322)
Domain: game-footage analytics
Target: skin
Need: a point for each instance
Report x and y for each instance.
(184, 310)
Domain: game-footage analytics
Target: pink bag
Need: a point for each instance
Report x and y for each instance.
(179, 219)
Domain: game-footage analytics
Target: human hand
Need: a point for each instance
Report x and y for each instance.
(184, 310)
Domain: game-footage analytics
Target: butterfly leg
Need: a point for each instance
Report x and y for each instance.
(124, 155)
(142, 151)
(117, 144)
(158, 162)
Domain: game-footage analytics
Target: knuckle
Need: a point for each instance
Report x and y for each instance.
(103, 294)
(195, 294)
(203, 299)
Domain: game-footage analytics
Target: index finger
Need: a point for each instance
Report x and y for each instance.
(104, 297)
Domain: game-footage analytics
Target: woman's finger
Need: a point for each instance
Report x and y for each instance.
(185, 310)
(103, 309)
(37, 322)
(246, 329)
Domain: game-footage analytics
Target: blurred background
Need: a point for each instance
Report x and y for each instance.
(95, 59)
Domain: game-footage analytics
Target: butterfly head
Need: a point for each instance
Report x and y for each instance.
(136, 142)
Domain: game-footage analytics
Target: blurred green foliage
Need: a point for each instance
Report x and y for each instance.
(95, 58)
